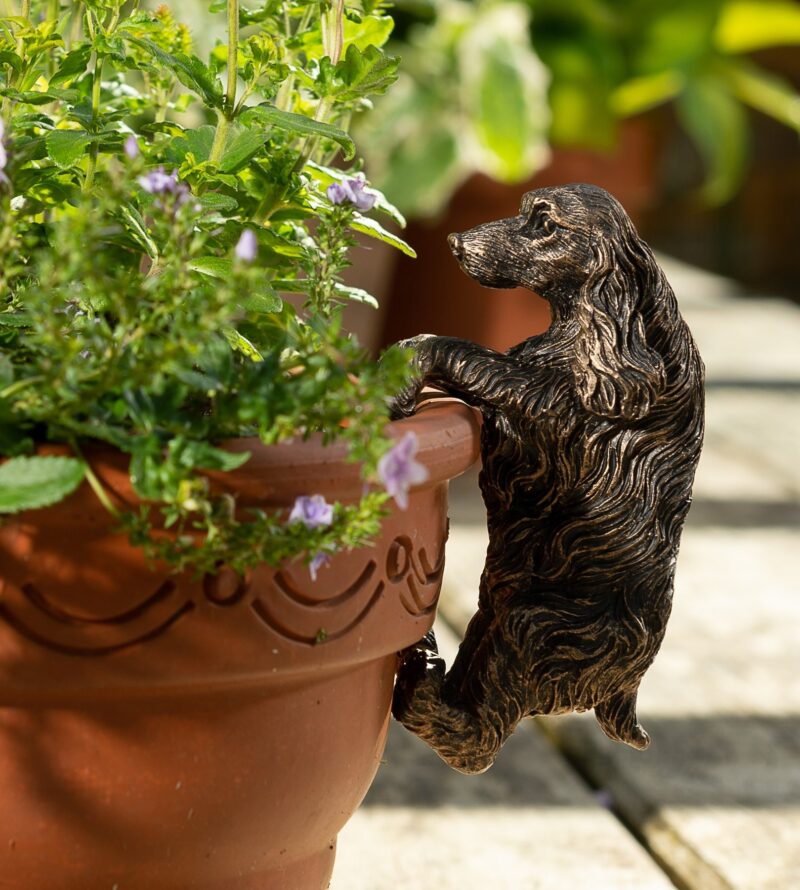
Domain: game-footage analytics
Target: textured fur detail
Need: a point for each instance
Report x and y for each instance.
(591, 435)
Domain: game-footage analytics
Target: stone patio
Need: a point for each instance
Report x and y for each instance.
(714, 804)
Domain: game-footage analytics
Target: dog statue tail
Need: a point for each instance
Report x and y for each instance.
(617, 719)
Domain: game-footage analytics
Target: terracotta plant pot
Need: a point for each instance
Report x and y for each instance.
(432, 295)
(162, 731)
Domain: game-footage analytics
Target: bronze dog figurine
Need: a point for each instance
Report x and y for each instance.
(591, 435)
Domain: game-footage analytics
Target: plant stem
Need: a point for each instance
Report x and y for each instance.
(332, 23)
(18, 385)
(333, 31)
(97, 485)
(26, 12)
(323, 110)
(97, 80)
(220, 138)
(226, 113)
(233, 54)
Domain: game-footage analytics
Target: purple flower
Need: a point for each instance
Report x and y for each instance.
(351, 190)
(313, 511)
(3, 153)
(320, 559)
(246, 247)
(132, 147)
(399, 471)
(158, 181)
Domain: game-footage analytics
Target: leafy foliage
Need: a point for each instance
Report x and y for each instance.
(30, 482)
(130, 312)
(486, 86)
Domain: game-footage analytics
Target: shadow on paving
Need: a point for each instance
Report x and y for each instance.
(704, 513)
(466, 508)
(740, 761)
(726, 760)
(719, 513)
(528, 773)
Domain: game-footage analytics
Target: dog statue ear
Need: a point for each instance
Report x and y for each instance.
(617, 719)
(618, 374)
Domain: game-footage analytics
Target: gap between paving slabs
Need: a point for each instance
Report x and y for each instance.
(528, 824)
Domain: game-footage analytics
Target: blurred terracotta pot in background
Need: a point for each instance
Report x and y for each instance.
(432, 295)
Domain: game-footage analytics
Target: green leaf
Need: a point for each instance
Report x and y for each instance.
(278, 244)
(72, 65)
(7, 57)
(641, 93)
(749, 25)
(365, 72)
(205, 455)
(15, 319)
(716, 122)
(198, 141)
(27, 483)
(240, 148)
(217, 201)
(370, 30)
(355, 294)
(262, 303)
(213, 266)
(764, 91)
(374, 229)
(502, 115)
(300, 124)
(288, 285)
(505, 89)
(138, 229)
(189, 70)
(239, 343)
(65, 147)
(39, 97)
(424, 168)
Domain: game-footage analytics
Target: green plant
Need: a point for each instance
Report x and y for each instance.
(142, 262)
(597, 62)
(472, 95)
(612, 59)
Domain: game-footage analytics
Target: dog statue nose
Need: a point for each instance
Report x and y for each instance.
(456, 245)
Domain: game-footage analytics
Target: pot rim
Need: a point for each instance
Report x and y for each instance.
(448, 436)
(449, 444)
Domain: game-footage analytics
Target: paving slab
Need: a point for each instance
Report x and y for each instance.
(527, 823)
(717, 796)
(763, 427)
(744, 338)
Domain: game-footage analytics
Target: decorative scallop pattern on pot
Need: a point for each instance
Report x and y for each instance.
(286, 605)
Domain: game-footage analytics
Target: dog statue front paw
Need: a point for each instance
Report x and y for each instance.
(421, 669)
(405, 402)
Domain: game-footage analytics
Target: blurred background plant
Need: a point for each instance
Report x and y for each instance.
(486, 86)
(143, 261)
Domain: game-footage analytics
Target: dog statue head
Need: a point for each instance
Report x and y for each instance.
(575, 246)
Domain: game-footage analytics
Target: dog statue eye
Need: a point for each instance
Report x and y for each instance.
(539, 223)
